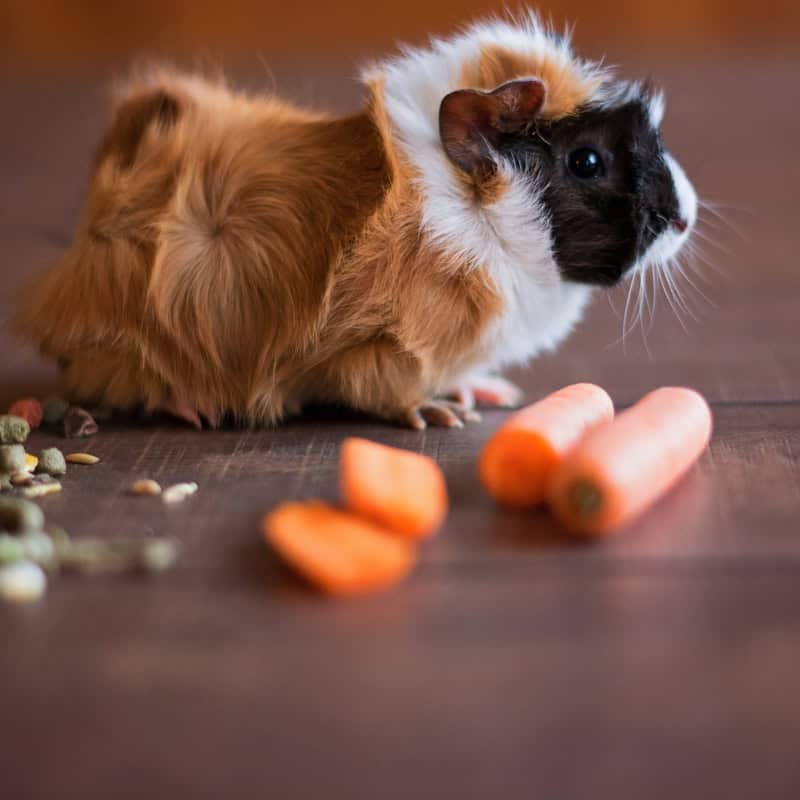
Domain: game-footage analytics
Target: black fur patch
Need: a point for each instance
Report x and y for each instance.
(601, 225)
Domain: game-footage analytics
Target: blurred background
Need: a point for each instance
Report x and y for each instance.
(43, 36)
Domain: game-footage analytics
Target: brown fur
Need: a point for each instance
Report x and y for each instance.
(566, 91)
(246, 256)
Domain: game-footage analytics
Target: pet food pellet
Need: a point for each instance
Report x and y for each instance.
(179, 492)
(29, 409)
(11, 549)
(31, 462)
(22, 582)
(82, 458)
(146, 487)
(54, 409)
(38, 547)
(13, 430)
(17, 516)
(40, 489)
(21, 479)
(159, 554)
(12, 458)
(78, 422)
(51, 462)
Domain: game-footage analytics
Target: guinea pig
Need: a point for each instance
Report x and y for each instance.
(240, 256)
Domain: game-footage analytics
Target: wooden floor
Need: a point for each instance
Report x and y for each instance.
(664, 663)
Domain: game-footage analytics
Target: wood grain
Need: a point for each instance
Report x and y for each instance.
(514, 662)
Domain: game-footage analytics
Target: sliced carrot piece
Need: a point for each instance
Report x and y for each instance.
(336, 551)
(516, 463)
(400, 490)
(621, 469)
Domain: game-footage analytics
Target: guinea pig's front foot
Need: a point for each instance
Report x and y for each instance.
(489, 391)
(442, 413)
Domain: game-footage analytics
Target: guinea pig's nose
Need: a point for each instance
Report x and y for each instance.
(680, 224)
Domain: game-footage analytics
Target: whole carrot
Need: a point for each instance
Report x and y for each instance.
(620, 469)
(516, 463)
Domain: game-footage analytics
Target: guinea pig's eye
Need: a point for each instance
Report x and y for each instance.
(585, 163)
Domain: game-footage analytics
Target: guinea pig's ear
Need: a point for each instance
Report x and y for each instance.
(471, 122)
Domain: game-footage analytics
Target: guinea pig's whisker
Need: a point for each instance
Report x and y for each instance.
(701, 234)
(670, 293)
(695, 256)
(682, 271)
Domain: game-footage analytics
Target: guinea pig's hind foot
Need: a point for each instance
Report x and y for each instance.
(188, 413)
(442, 413)
(489, 391)
(182, 410)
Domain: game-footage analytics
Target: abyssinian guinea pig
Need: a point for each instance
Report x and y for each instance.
(239, 255)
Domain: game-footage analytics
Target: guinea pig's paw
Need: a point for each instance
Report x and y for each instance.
(442, 413)
(488, 390)
(182, 410)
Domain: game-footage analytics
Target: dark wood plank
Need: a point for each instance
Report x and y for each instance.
(603, 685)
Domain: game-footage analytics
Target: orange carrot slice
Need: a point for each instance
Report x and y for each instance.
(621, 469)
(336, 551)
(400, 490)
(516, 463)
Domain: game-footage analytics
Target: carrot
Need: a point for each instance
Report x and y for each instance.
(621, 469)
(517, 461)
(397, 489)
(336, 551)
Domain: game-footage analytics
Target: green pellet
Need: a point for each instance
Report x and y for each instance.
(18, 516)
(12, 458)
(54, 409)
(13, 430)
(11, 549)
(52, 462)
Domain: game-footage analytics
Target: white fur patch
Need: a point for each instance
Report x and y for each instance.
(666, 246)
(656, 108)
(511, 237)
